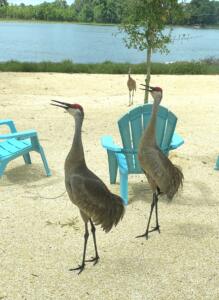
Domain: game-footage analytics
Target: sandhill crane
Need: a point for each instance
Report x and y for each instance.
(96, 203)
(131, 83)
(162, 175)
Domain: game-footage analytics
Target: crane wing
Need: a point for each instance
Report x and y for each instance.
(157, 166)
(93, 197)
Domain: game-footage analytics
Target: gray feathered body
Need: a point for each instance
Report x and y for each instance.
(160, 171)
(131, 83)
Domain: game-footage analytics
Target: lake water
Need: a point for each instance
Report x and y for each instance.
(26, 41)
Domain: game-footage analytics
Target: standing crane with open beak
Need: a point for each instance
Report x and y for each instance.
(97, 205)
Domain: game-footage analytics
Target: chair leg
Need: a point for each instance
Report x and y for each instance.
(27, 158)
(113, 166)
(124, 187)
(2, 168)
(45, 163)
(217, 164)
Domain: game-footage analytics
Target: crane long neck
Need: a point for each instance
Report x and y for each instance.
(150, 132)
(76, 154)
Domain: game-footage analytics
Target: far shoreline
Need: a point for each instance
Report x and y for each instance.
(216, 26)
(57, 22)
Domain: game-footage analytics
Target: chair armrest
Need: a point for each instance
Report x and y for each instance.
(20, 135)
(10, 124)
(177, 141)
(108, 144)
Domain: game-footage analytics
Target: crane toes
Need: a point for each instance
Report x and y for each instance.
(93, 259)
(80, 268)
(143, 235)
(156, 228)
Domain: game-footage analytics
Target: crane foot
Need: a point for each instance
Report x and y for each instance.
(156, 228)
(93, 259)
(80, 268)
(143, 235)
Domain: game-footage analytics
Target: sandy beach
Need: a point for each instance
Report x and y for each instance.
(42, 238)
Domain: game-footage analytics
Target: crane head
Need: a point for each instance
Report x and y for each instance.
(156, 92)
(72, 109)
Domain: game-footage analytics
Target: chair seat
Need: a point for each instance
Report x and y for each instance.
(15, 144)
(14, 147)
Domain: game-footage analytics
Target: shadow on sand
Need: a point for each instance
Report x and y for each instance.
(26, 174)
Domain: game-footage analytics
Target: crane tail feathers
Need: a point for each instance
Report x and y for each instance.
(177, 181)
(114, 214)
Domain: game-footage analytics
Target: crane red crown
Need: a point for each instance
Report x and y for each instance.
(157, 89)
(77, 106)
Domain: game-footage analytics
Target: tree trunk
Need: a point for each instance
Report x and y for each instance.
(148, 77)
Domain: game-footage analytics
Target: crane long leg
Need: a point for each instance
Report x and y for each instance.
(132, 95)
(96, 258)
(81, 267)
(149, 220)
(157, 227)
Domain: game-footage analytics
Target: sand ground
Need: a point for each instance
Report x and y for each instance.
(42, 238)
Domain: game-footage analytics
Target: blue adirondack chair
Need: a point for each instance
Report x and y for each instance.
(15, 144)
(131, 127)
(217, 164)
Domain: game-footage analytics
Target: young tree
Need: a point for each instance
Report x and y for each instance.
(144, 21)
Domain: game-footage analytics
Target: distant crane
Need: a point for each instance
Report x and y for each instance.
(131, 83)
(96, 203)
(162, 175)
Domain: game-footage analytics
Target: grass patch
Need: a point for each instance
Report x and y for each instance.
(207, 67)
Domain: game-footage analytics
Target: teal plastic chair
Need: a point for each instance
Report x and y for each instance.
(131, 127)
(217, 164)
(15, 144)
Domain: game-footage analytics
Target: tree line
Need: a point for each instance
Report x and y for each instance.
(200, 12)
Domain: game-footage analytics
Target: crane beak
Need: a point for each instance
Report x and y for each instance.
(61, 104)
(147, 87)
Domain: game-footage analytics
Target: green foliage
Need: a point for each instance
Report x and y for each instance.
(58, 10)
(208, 66)
(99, 11)
(202, 12)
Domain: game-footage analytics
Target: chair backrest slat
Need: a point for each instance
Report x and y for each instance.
(131, 127)
(169, 131)
(146, 110)
(126, 136)
(135, 117)
(161, 124)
